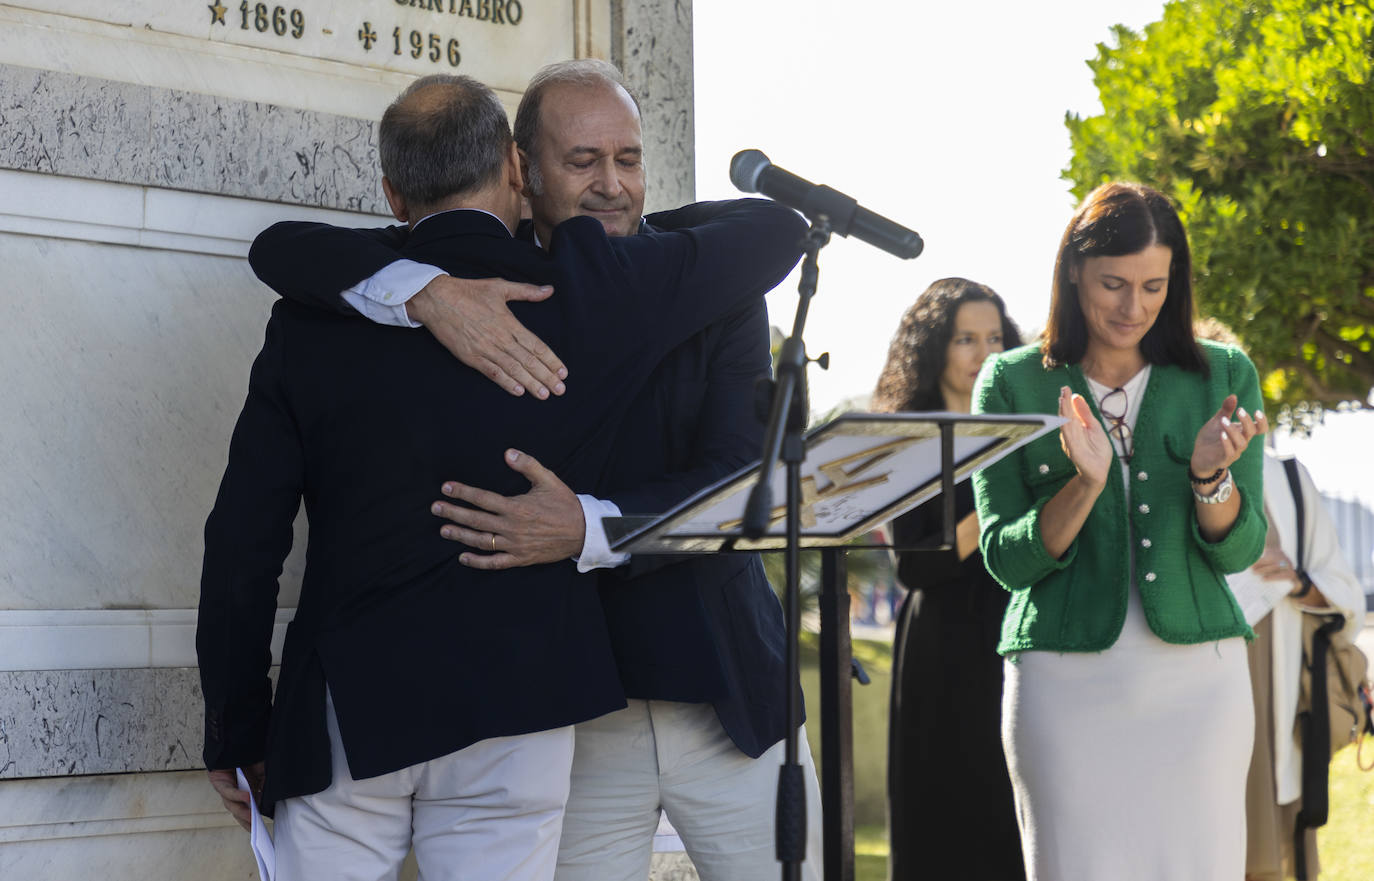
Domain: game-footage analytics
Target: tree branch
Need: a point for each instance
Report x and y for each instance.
(1368, 188)
(1362, 363)
(1316, 389)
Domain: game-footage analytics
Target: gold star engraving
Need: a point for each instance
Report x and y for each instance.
(217, 11)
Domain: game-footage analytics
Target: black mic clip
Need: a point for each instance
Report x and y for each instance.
(832, 205)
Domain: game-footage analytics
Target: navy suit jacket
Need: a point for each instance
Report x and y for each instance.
(423, 656)
(705, 629)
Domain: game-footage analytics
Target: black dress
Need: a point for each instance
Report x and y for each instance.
(949, 795)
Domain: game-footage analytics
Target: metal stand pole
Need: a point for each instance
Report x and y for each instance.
(837, 719)
(786, 423)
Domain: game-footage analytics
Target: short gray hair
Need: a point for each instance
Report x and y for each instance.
(581, 72)
(443, 136)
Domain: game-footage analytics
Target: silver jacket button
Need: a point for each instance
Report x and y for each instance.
(1142, 476)
(1044, 469)
(1149, 576)
(1145, 542)
(1144, 509)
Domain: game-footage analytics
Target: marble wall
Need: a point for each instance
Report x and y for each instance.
(59, 123)
(137, 162)
(127, 827)
(653, 46)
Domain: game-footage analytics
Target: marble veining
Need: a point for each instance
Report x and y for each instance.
(655, 53)
(81, 126)
(67, 722)
(672, 867)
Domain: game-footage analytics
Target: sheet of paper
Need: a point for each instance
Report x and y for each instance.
(258, 836)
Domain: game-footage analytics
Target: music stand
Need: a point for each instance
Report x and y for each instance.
(860, 471)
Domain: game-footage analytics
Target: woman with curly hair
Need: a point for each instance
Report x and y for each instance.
(947, 777)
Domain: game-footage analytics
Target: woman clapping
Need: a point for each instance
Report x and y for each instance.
(1126, 717)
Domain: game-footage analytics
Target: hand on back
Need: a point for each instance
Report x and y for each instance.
(470, 318)
(544, 525)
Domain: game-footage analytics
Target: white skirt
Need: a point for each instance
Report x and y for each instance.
(1131, 763)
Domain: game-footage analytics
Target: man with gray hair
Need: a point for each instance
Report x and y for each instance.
(410, 709)
(699, 643)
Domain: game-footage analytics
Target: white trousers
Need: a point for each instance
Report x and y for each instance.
(489, 812)
(663, 756)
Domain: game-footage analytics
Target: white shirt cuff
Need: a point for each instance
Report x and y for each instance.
(383, 297)
(596, 549)
(1256, 596)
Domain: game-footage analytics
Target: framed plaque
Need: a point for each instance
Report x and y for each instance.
(861, 470)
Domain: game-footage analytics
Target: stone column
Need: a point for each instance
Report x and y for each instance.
(653, 46)
(144, 145)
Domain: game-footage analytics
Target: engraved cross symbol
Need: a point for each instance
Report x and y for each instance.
(367, 36)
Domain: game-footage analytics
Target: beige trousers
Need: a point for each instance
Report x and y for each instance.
(1268, 825)
(665, 756)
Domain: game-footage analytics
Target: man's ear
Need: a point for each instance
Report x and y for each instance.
(396, 201)
(515, 169)
(524, 168)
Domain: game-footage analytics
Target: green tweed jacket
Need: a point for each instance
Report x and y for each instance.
(1077, 603)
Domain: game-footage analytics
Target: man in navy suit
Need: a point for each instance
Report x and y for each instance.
(700, 642)
(411, 708)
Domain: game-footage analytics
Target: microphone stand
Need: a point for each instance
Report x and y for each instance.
(786, 422)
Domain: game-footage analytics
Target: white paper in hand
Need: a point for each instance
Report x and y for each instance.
(258, 836)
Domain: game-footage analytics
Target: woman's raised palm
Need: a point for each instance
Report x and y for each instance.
(1084, 440)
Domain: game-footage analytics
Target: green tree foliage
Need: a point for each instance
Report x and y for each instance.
(1257, 118)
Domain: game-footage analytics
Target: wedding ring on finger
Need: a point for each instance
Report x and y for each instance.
(493, 544)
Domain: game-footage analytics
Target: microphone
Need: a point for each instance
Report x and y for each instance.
(752, 172)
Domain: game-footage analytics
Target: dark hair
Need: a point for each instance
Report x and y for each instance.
(443, 136)
(1114, 220)
(581, 72)
(917, 357)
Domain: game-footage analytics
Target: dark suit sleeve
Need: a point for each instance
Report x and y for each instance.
(679, 282)
(247, 537)
(688, 215)
(729, 434)
(686, 279)
(311, 263)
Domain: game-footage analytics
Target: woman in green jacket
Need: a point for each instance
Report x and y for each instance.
(1126, 714)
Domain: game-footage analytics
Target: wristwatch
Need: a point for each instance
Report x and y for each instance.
(1219, 494)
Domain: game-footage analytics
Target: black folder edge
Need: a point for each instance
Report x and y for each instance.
(640, 534)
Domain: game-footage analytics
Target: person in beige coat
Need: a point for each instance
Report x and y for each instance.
(1271, 596)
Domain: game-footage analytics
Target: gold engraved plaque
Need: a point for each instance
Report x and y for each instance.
(500, 42)
(861, 470)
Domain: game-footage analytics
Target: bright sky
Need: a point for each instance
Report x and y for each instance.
(946, 117)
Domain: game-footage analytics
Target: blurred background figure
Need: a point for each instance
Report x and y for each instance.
(1274, 594)
(947, 777)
